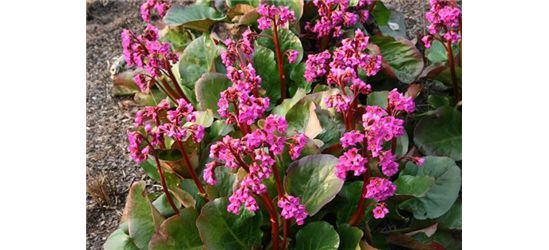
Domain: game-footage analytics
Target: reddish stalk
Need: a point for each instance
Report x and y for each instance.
(452, 70)
(280, 195)
(280, 63)
(162, 180)
(168, 87)
(274, 219)
(191, 171)
(175, 83)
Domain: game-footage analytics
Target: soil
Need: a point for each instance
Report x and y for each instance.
(109, 118)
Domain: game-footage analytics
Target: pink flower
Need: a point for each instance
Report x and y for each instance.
(160, 5)
(380, 189)
(316, 65)
(351, 161)
(291, 208)
(339, 102)
(373, 66)
(380, 211)
(352, 138)
(297, 147)
(418, 161)
(209, 173)
(387, 162)
(292, 55)
(281, 15)
(397, 101)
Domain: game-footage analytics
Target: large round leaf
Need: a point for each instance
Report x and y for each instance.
(298, 78)
(442, 194)
(452, 218)
(119, 240)
(265, 65)
(197, 59)
(349, 237)
(143, 218)
(208, 90)
(288, 40)
(318, 235)
(416, 186)
(405, 61)
(313, 180)
(178, 232)
(440, 133)
(438, 53)
(220, 229)
(197, 17)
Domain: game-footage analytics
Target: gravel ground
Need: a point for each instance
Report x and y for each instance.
(108, 118)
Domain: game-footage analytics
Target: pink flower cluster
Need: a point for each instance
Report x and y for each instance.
(351, 161)
(380, 210)
(334, 14)
(261, 145)
(380, 189)
(291, 208)
(343, 69)
(151, 120)
(147, 52)
(243, 93)
(443, 17)
(161, 6)
(279, 15)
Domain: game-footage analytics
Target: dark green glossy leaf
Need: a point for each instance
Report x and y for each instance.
(219, 128)
(442, 194)
(220, 229)
(446, 76)
(208, 90)
(178, 233)
(288, 40)
(405, 61)
(190, 187)
(349, 237)
(265, 65)
(438, 53)
(313, 180)
(452, 218)
(331, 129)
(440, 133)
(302, 118)
(298, 78)
(119, 240)
(224, 186)
(318, 235)
(197, 59)
(163, 205)
(378, 98)
(437, 101)
(381, 14)
(197, 17)
(152, 171)
(352, 193)
(416, 186)
(396, 27)
(287, 104)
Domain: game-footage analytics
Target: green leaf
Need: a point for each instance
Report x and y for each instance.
(396, 27)
(152, 171)
(119, 240)
(405, 61)
(208, 90)
(197, 17)
(452, 218)
(152, 98)
(352, 193)
(378, 98)
(295, 5)
(190, 187)
(349, 237)
(302, 118)
(141, 216)
(220, 229)
(313, 180)
(442, 194)
(197, 59)
(224, 186)
(416, 186)
(265, 65)
(163, 205)
(381, 14)
(288, 40)
(298, 76)
(178, 233)
(183, 197)
(318, 235)
(438, 53)
(219, 128)
(287, 104)
(440, 133)
(437, 101)
(233, 3)
(446, 76)
(331, 129)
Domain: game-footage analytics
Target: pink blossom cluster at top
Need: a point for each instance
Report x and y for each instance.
(279, 15)
(261, 145)
(343, 69)
(334, 14)
(161, 6)
(291, 208)
(152, 120)
(443, 18)
(248, 107)
(147, 52)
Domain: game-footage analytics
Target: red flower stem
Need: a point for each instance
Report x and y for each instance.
(164, 90)
(460, 32)
(163, 180)
(452, 71)
(280, 63)
(325, 39)
(360, 209)
(372, 7)
(191, 171)
(274, 219)
(280, 195)
(169, 88)
(175, 83)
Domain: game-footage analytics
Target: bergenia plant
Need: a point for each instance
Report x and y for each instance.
(307, 125)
